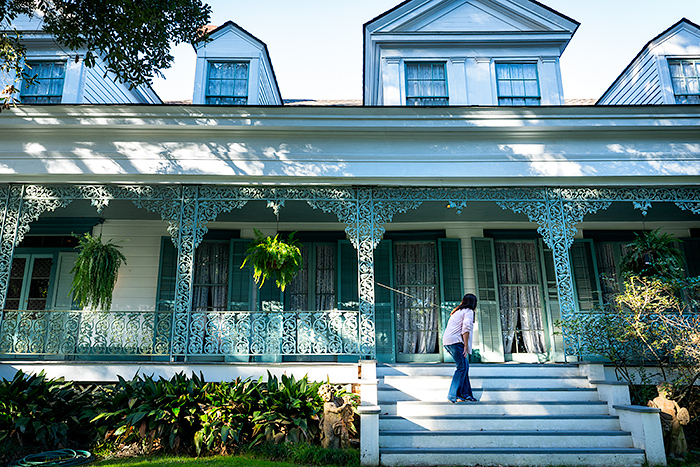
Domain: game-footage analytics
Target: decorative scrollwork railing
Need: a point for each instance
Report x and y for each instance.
(148, 333)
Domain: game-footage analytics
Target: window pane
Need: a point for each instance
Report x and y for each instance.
(676, 70)
(241, 71)
(693, 86)
(412, 71)
(241, 88)
(58, 70)
(530, 71)
(518, 88)
(502, 72)
(688, 69)
(531, 88)
(505, 89)
(516, 71)
(226, 87)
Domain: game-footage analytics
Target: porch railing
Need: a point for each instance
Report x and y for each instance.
(148, 333)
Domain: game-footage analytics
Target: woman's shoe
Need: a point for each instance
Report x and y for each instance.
(472, 399)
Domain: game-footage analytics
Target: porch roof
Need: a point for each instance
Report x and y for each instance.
(390, 146)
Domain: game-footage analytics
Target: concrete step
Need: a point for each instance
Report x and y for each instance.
(483, 422)
(418, 408)
(481, 369)
(387, 394)
(505, 439)
(612, 457)
(402, 382)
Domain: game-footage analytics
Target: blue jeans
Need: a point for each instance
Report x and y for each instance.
(460, 387)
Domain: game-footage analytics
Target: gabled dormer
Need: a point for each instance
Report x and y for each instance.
(234, 68)
(665, 71)
(465, 52)
(62, 77)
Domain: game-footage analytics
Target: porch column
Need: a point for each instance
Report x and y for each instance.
(365, 243)
(187, 236)
(558, 233)
(10, 203)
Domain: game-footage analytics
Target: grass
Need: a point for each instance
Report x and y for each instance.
(265, 455)
(215, 461)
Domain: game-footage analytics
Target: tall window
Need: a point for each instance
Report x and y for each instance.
(426, 84)
(48, 86)
(517, 84)
(227, 83)
(685, 75)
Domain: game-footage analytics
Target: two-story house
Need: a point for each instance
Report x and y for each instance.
(462, 172)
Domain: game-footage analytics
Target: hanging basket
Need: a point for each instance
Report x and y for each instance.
(273, 258)
(95, 272)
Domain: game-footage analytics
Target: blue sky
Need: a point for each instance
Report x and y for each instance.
(316, 45)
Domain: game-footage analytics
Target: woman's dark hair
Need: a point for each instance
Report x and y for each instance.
(469, 301)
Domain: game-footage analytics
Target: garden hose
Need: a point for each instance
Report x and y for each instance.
(62, 457)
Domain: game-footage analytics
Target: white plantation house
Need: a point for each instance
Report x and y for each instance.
(464, 171)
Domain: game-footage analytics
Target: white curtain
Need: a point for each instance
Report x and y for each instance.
(210, 291)
(417, 305)
(325, 277)
(520, 297)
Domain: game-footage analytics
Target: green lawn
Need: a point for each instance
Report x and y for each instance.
(216, 461)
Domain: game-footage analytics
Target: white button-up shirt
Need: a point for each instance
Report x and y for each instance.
(460, 322)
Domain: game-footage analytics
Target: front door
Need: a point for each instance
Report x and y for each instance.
(521, 299)
(417, 299)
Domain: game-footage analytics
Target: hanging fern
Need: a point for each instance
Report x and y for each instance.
(274, 258)
(95, 272)
(653, 254)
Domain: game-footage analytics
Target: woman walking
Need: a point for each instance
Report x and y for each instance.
(458, 342)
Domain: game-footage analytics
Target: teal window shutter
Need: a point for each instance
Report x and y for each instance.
(240, 280)
(585, 275)
(167, 276)
(384, 323)
(451, 279)
(62, 298)
(488, 312)
(348, 284)
(691, 248)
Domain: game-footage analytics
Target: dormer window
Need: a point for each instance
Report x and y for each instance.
(685, 75)
(227, 83)
(426, 83)
(48, 86)
(517, 84)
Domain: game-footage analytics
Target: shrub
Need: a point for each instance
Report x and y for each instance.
(289, 410)
(161, 414)
(227, 418)
(50, 413)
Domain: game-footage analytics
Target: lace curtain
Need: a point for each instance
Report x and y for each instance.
(210, 291)
(608, 264)
(520, 297)
(417, 305)
(324, 285)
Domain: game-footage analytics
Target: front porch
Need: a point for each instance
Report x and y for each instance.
(384, 268)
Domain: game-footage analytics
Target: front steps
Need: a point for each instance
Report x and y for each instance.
(527, 415)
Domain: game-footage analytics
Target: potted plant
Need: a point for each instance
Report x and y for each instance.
(95, 272)
(274, 258)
